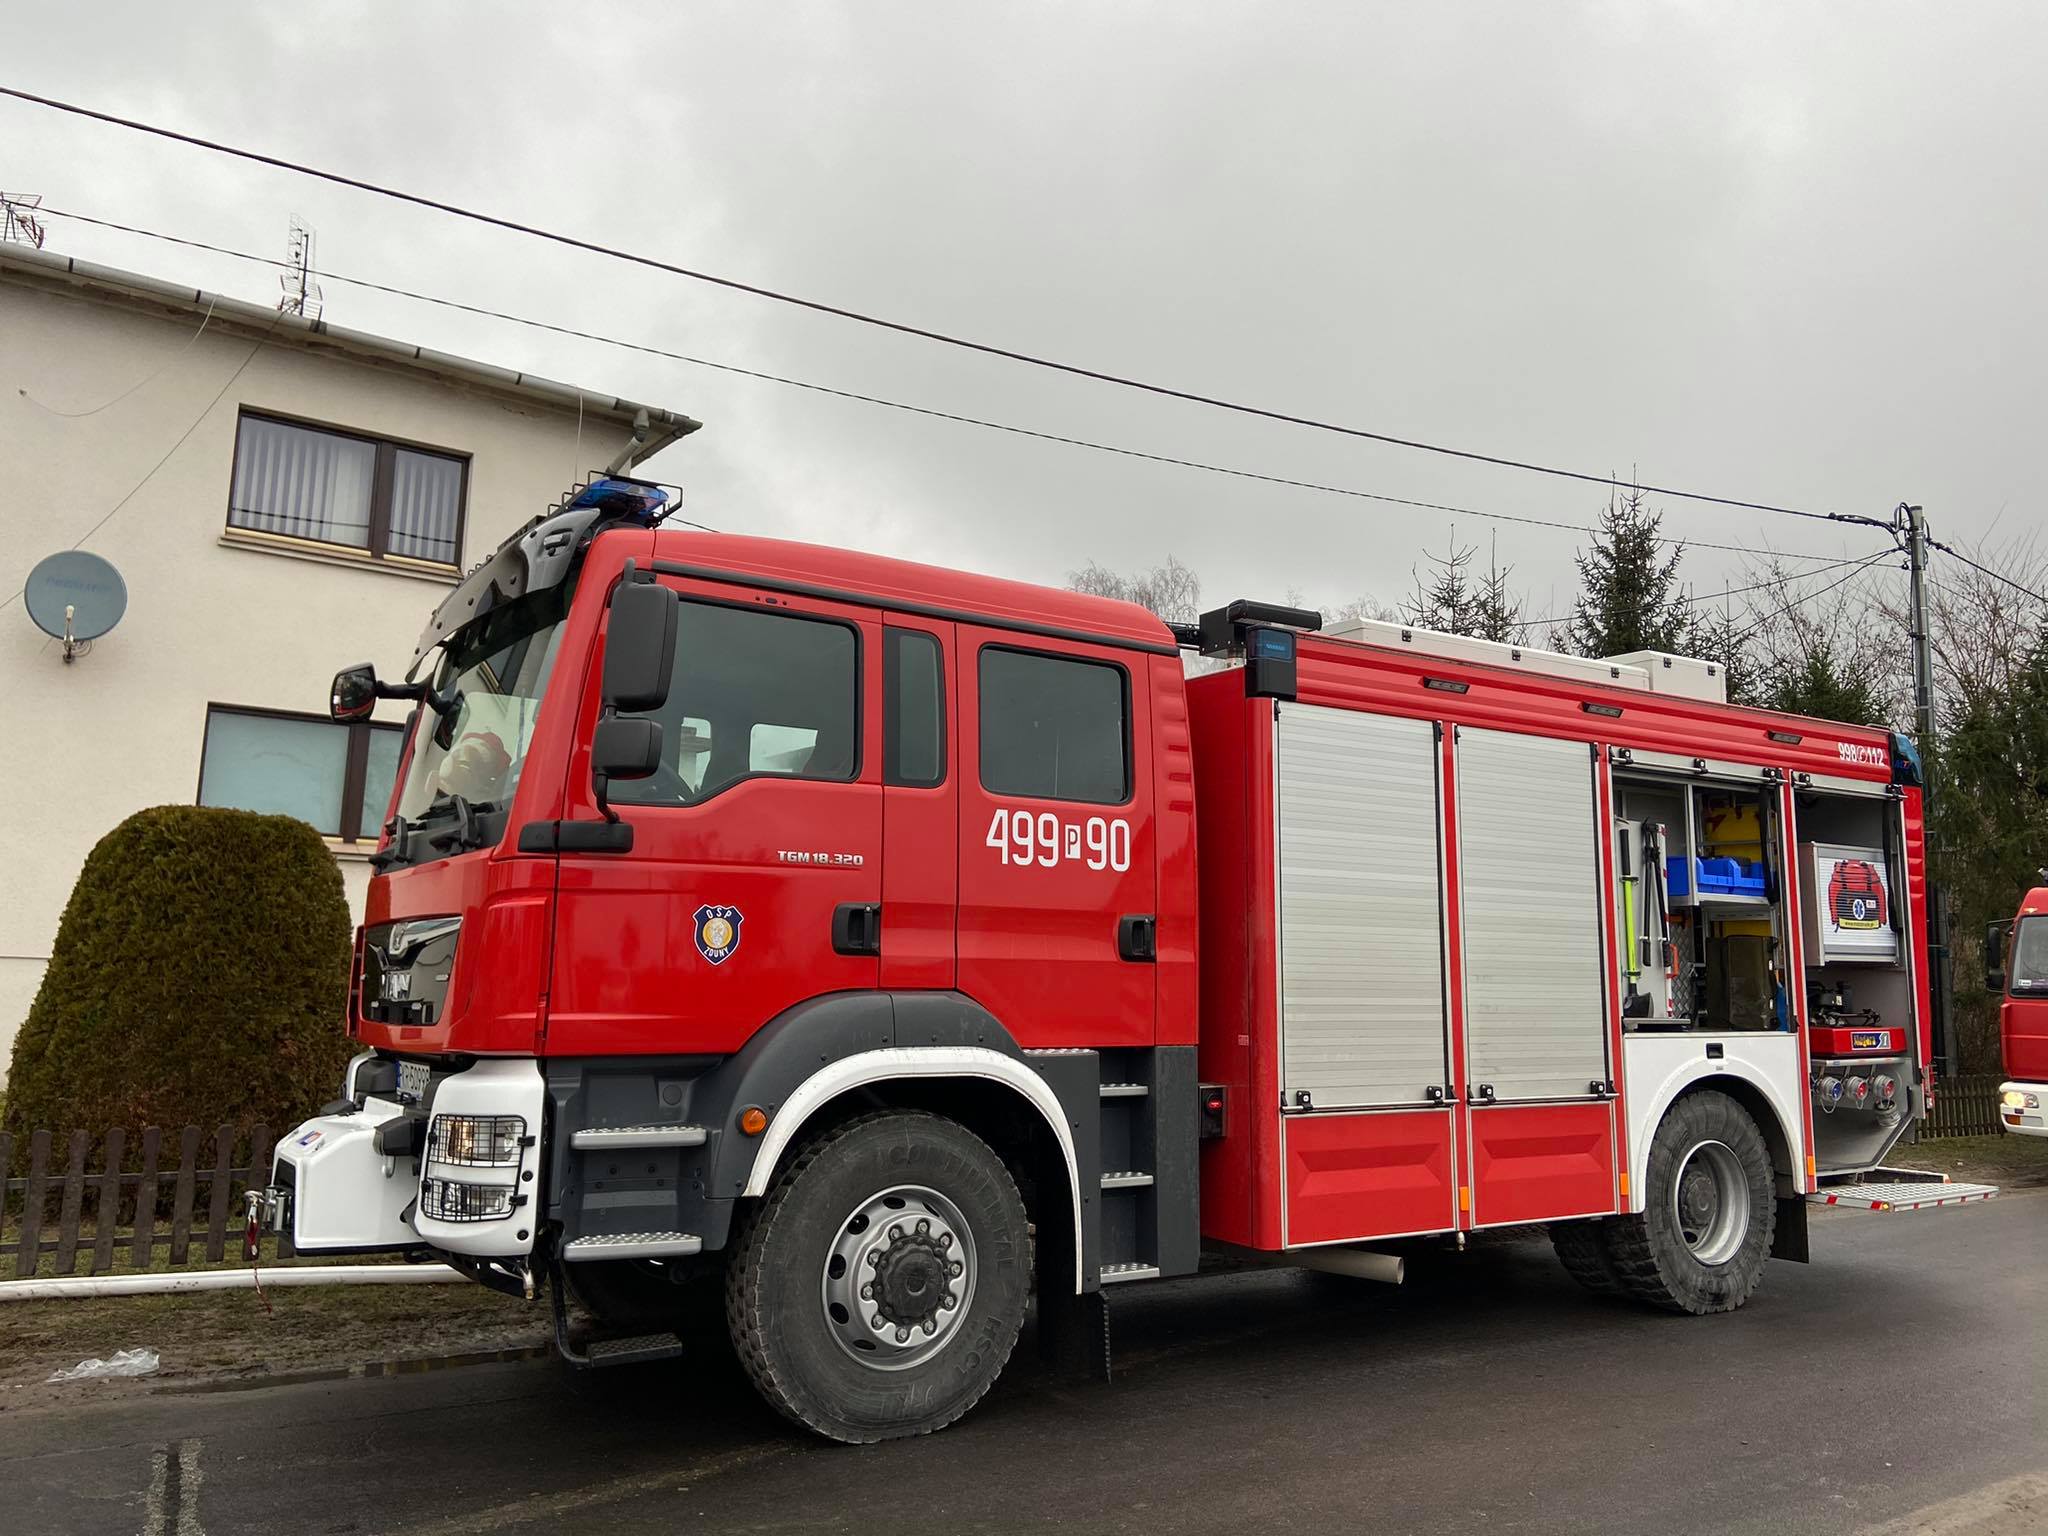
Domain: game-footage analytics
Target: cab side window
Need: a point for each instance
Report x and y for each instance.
(913, 709)
(1054, 727)
(754, 693)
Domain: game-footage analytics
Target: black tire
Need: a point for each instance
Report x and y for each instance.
(1673, 1258)
(1582, 1249)
(807, 1363)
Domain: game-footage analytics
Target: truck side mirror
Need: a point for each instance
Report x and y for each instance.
(625, 749)
(1994, 955)
(639, 647)
(354, 694)
(622, 748)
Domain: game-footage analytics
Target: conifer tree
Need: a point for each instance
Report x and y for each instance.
(1630, 600)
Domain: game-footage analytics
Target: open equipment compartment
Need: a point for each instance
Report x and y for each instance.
(1859, 982)
(1700, 900)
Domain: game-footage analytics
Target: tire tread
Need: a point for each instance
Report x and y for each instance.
(747, 1323)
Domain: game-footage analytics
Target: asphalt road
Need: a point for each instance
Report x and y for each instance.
(1907, 1367)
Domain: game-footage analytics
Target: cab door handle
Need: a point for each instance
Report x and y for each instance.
(857, 928)
(1137, 937)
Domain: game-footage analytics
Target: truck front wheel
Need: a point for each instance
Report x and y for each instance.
(878, 1288)
(1710, 1210)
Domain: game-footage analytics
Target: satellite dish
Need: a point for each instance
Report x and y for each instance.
(75, 596)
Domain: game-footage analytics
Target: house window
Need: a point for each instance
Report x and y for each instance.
(386, 500)
(1054, 728)
(336, 777)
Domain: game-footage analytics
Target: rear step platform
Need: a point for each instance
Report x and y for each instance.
(1900, 1189)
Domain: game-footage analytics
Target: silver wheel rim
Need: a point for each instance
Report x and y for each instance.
(1710, 1202)
(898, 1278)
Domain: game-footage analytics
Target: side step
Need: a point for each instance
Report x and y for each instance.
(588, 1353)
(1900, 1189)
(637, 1137)
(1124, 1090)
(633, 1245)
(640, 1350)
(1115, 1274)
(1126, 1180)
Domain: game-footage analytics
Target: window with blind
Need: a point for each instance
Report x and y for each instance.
(383, 499)
(337, 777)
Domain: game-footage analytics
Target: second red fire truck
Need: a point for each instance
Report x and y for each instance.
(867, 944)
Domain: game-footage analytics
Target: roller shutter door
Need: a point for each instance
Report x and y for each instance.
(1535, 1014)
(1361, 909)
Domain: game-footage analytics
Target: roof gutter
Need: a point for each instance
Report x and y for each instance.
(653, 430)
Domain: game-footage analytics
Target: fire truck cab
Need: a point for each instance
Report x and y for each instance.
(867, 944)
(2016, 953)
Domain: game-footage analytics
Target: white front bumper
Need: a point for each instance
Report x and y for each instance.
(349, 1197)
(346, 1197)
(2028, 1120)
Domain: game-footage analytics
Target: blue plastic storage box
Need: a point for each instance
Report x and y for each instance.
(1717, 877)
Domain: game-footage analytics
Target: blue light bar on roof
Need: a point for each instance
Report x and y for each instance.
(622, 498)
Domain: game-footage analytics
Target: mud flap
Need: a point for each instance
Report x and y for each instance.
(1073, 1334)
(1789, 1241)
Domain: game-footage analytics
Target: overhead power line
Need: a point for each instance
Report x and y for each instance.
(959, 418)
(1755, 586)
(1806, 597)
(1948, 549)
(150, 474)
(901, 327)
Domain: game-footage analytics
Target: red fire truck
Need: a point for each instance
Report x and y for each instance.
(2016, 966)
(869, 945)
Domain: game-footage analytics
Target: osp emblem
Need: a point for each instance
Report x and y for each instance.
(718, 932)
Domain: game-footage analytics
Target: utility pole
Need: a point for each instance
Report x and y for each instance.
(1909, 526)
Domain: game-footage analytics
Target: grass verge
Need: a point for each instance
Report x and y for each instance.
(210, 1333)
(2016, 1162)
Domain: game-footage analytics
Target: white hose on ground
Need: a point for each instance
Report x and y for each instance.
(225, 1280)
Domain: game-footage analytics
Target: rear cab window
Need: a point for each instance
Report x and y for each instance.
(1054, 727)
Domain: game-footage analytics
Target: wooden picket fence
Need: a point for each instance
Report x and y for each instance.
(130, 1205)
(1965, 1105)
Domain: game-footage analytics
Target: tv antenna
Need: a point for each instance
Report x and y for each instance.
(19, 224)
(302, 296)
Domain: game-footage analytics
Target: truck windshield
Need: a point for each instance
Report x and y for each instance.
(2030, 957)
(497, 669)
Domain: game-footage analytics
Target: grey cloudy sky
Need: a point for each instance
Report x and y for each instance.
(1792, 253)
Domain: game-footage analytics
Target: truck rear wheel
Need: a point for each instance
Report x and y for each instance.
(1582, 1250)
(878, 1289)
(1710, 1210)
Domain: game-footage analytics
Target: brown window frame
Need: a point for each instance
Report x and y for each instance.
(382, 476)
(355, 766)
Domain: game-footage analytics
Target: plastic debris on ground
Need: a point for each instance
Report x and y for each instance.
(127, 1362)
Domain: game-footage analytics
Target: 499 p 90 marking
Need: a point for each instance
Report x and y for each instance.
(899, 1277)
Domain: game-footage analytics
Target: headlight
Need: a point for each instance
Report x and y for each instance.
(448, 1200)
(476, 1141)
(2016, 1099)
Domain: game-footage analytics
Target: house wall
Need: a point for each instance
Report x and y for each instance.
(210, 619)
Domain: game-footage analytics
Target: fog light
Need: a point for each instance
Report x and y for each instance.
(476, 1141)
(448, 1200)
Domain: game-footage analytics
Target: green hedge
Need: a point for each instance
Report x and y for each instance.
(200, 976)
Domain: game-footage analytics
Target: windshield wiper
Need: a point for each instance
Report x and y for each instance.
(467, 832)
(396, 850)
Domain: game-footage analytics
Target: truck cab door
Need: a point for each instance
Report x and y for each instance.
(754, 879)
(1058, 877)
